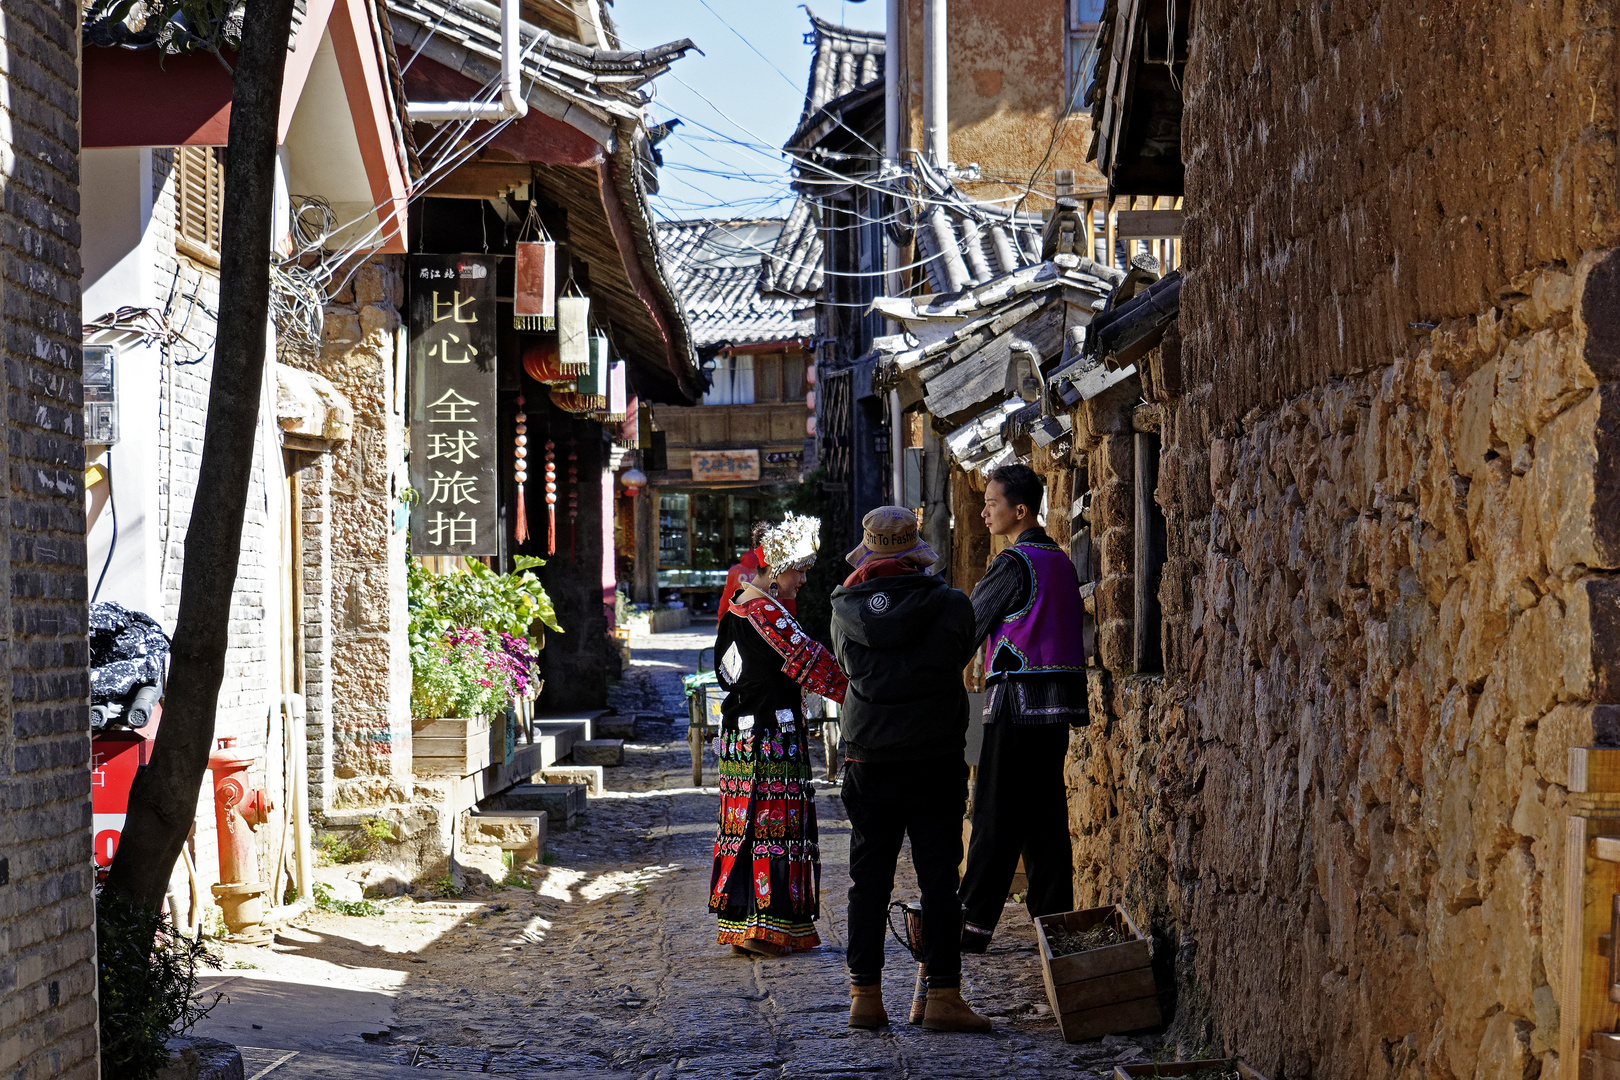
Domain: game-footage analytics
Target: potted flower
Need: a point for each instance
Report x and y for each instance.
(475, 639)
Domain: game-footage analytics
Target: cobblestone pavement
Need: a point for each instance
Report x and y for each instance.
(608, 967)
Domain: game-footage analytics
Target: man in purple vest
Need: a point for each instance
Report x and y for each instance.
(1028, 612)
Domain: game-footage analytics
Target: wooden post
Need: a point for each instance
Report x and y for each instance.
(1590, 885)
(1110, 258)
(1088, 228)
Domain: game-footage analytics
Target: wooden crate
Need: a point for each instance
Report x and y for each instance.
(1100, 991)
(450, 746)
(1182, 1068)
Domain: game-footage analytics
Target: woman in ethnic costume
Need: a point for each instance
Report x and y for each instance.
(766, 884)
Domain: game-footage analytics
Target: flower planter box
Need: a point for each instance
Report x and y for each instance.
(451, 746)
(1185, 1068)
(1099, 991)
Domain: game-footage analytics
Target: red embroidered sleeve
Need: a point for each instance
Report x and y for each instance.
(804, 659)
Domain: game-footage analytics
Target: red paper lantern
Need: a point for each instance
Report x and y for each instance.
(569, 401)
(543, 362)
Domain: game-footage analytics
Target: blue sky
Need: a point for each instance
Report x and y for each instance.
(734, 92)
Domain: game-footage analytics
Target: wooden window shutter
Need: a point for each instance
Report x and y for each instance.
(199, 195)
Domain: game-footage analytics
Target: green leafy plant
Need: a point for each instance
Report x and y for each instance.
(324, 900)
(444, 888)
(147, 985)
(478, 597)
(352, 848)
(475, 637)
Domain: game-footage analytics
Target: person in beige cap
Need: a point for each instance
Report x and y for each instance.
(902, 637)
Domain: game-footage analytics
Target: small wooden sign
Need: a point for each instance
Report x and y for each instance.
(1148, 224)
(715, 465)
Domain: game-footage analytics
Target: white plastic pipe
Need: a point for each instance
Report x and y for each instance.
(893, 109)
(511, 104)
(936, 95)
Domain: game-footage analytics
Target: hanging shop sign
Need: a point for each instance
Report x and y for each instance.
(454, 448)
(725, 465)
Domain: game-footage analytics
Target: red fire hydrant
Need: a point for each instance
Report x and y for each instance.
(237, 808)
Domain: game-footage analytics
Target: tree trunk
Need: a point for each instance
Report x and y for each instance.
(163, 800)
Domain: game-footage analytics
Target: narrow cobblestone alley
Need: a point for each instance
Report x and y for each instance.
(607, 966)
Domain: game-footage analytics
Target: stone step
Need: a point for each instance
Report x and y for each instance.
(561, 803)
(518, 831)
(617, 727)
(607, 752)
(589, 775)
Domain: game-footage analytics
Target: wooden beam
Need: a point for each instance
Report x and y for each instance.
(1150, 224)
(481, 180)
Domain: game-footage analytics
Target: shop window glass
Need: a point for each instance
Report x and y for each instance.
(673, 533)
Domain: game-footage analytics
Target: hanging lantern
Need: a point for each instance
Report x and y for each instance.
(591, 383)
(551, 497)
(633, 479)
(520, 470)
(573, 334)
(630, 429)
(571, 402)
(535, 289)
(543, 363)
(617, 395)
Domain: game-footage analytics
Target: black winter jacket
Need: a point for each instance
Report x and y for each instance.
(903, 641)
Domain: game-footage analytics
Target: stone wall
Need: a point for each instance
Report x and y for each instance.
(1353, 169)
(47, 916)
(357, 658)
(1006, 96)
(1389, 612)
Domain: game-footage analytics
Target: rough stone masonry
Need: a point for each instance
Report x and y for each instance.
(1389, 427)
(47, 917)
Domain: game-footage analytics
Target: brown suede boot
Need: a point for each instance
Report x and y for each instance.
(946, 1011)
(866, 1007)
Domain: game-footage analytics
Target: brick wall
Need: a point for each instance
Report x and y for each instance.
(47, 918)
(357, 666)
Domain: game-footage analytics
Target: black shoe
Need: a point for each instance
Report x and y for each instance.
(975, 941)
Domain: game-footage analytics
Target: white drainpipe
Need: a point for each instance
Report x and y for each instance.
(511, 103)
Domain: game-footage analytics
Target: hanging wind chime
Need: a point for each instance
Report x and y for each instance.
(573, 496)
(551, 497)
(520, 470)
(534, 292)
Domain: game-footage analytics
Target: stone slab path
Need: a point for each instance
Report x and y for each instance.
(605, 965)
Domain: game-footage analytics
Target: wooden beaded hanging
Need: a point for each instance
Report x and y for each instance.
(551, 498)
(520, 470)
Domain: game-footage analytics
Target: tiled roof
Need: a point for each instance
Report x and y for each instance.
(793, 267)
(968, 243)
(845, 61)
(716, 269)
(464, 35)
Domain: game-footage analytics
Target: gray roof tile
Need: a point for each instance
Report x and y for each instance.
(794, 265)
(717, 270)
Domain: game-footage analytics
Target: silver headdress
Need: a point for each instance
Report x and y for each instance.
(792, 544)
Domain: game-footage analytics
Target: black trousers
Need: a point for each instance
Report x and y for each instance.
(1020, 807)
(886, 802)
